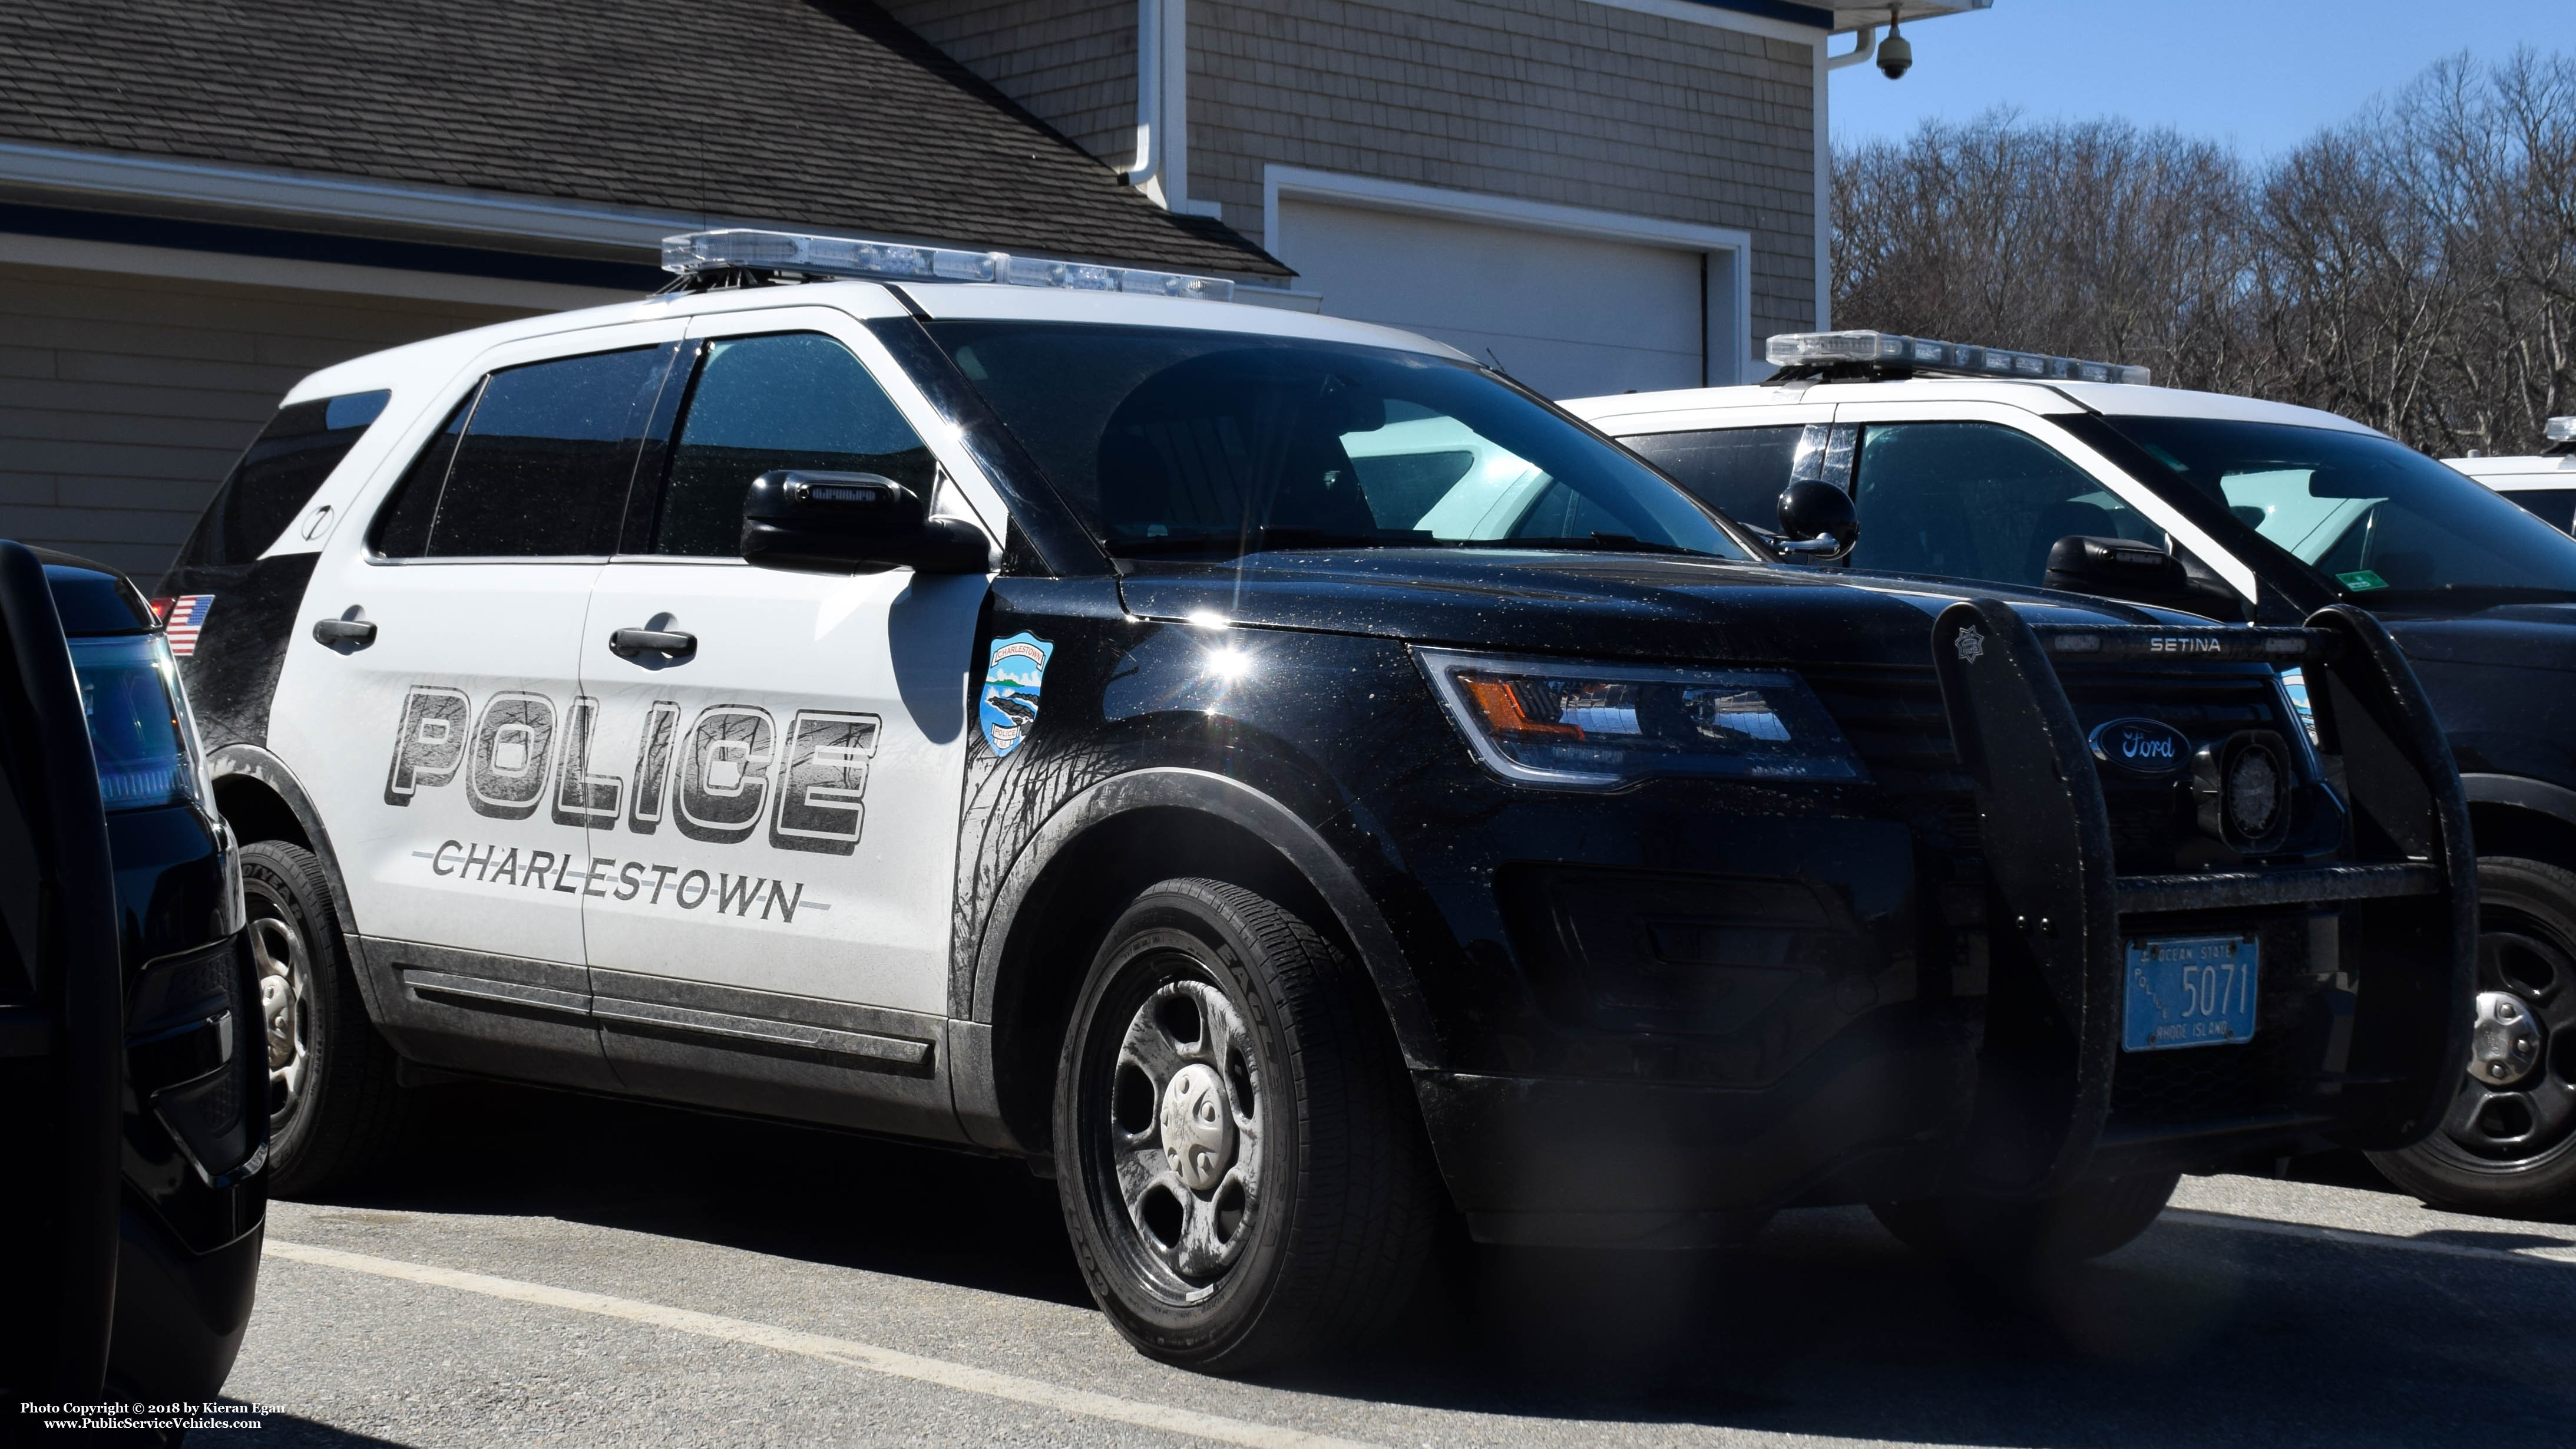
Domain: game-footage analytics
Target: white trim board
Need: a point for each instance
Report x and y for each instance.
(308, 194)
(1730, 314)
(127, 259)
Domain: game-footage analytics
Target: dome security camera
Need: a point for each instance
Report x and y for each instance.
(1896, 53)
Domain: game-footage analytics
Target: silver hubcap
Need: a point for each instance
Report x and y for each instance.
(2507, 1040)
(2518, 1103)
(1185, 1135)
(278, 954)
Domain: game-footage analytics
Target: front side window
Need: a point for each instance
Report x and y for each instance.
(535, 463)
(1217, 443)
(1976, 501)
(1737, 471)
(785, 400)
(280, 473)
(2391, 527)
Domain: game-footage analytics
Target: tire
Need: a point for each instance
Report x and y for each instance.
(2509, 1147)
(333, 1103)
(1296, 1203)
(2086, 1221)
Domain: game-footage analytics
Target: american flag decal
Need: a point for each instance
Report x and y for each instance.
(187, 616)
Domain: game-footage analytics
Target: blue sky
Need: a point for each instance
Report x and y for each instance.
(2262, 73)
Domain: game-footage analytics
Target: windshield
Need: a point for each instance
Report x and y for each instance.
(2392, 527)
(1220, 443)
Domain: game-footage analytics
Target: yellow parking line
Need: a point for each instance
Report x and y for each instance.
(1214, 1427)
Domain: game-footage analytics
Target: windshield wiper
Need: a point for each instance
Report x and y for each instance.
(1262, 540)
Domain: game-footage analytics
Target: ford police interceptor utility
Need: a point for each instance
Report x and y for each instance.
(1283, 779)
(1983, 465)
(2544, 482)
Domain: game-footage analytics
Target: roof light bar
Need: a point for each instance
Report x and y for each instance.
(782, 251)
(2559, 430)
(1894, 352)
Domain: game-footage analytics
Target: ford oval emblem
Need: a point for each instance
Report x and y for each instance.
(2143, 747)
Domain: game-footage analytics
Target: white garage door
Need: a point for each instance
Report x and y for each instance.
(1570, 316)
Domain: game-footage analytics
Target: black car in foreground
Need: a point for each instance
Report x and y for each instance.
(134, 1036)
(1286, 781)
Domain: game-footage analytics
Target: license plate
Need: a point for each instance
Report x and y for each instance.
(2188, 991)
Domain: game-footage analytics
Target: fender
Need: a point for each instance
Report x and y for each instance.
(256, 762)
(2538, 796)
(1240, 804)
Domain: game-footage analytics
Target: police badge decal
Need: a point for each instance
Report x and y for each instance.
(1011, 682)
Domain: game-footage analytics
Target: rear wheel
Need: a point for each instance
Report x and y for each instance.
(2508, 1144)
(2086, 1221)
(1237, 1154)
(332, 1101)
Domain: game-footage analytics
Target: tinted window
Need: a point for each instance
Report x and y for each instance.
(1174, 441)
(537, 463)
(2391, 526)
(402, 525)
(277, 476)
(1976, 501)
(1737, 471)
(2553, 506)
(792, 400)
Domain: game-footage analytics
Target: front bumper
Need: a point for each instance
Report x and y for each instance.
(2025, 1090)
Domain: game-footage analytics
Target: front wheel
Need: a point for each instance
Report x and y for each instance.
(2086, 1221)
(2508, 1144)
(1238, 1157)
(331, 1092)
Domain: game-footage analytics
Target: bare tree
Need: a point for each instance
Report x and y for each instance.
(2414, 269)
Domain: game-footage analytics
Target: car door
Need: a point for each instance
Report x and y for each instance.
(428, 701)
(774, 759)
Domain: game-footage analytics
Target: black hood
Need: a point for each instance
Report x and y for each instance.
(1635, 605)
(2509, 636)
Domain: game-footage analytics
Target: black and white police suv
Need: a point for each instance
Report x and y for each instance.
(1281, 777)
(1981, 466)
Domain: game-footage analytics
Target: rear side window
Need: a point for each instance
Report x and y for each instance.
(535, 463)
(278, 476)
(1737, 471)
(786, 400)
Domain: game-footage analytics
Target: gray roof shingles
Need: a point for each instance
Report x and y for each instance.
(824, 113)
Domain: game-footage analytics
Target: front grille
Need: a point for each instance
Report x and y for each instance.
(2269, 1073)
(1895, 722)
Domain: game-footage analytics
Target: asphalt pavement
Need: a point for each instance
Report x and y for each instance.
(548, 1269)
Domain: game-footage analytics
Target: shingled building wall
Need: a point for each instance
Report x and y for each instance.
(1570, 102)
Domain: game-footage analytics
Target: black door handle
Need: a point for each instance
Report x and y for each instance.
(336, 632)
(627, 643)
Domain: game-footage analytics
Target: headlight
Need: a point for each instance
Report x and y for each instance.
(1594, 726)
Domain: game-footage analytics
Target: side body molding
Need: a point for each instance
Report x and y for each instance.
(1206, 792)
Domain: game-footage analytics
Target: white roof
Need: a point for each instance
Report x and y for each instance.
(2536, 470)
(1709, 406)
(442, 355)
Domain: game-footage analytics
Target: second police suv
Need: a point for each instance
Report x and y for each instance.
(1286, 780)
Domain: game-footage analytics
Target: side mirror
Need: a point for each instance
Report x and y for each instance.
(1816, 518)
(2138, 573)
(852, 523)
